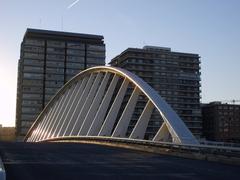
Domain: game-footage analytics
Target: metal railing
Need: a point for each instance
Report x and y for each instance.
(224, 151)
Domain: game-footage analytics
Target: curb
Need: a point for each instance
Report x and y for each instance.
(2, 171)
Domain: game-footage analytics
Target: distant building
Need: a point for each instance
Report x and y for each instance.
(48, 60)
(176, 77)
(7, 133)
(221, 122)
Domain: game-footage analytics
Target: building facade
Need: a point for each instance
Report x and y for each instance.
(47, 61)
(7, 133)
(174, 75)
(221, 122)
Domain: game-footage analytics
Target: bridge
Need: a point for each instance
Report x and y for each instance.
(107, 123)
(109, 102)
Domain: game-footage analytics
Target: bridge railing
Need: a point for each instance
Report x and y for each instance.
(202, 151)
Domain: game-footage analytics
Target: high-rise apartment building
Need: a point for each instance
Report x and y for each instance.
(176, 77)
(221, 122)
(48, 60)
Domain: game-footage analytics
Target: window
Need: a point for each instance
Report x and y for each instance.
(75, 45)
(33, 55)
(26, 123)
(55, 70)
(32, 69)
(32, 96)
(28, 82)
(75, 52)
(95, 54)
(96, 47)
(34, 42)
(163, 92)
(33, 76)
(32, 89)
(75, 59)
(54, 64)
(32, 102)
(51, 90)
(56, 50)
(74, 65)
(56, 57)
(33, 62)
(28, 116)
(35, 49)
(55, 44)
(96, 60)
(72, 71)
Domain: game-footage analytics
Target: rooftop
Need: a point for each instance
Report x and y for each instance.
(60, 34)
(154, 49)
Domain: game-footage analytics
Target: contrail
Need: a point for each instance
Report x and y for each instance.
(71, 5)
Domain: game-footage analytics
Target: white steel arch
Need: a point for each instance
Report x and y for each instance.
(103, 101)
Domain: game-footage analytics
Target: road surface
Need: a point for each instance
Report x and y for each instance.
(74, 161)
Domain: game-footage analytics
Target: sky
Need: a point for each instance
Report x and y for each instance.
(210, 28)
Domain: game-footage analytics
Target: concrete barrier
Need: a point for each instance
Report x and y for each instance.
(2, 171)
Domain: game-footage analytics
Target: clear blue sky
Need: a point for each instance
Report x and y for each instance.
(210, 28)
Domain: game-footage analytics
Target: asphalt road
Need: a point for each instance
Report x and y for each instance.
(74, 161)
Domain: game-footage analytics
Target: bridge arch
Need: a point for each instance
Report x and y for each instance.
(112, 102)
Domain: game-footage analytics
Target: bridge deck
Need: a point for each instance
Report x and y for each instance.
(70, 161)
